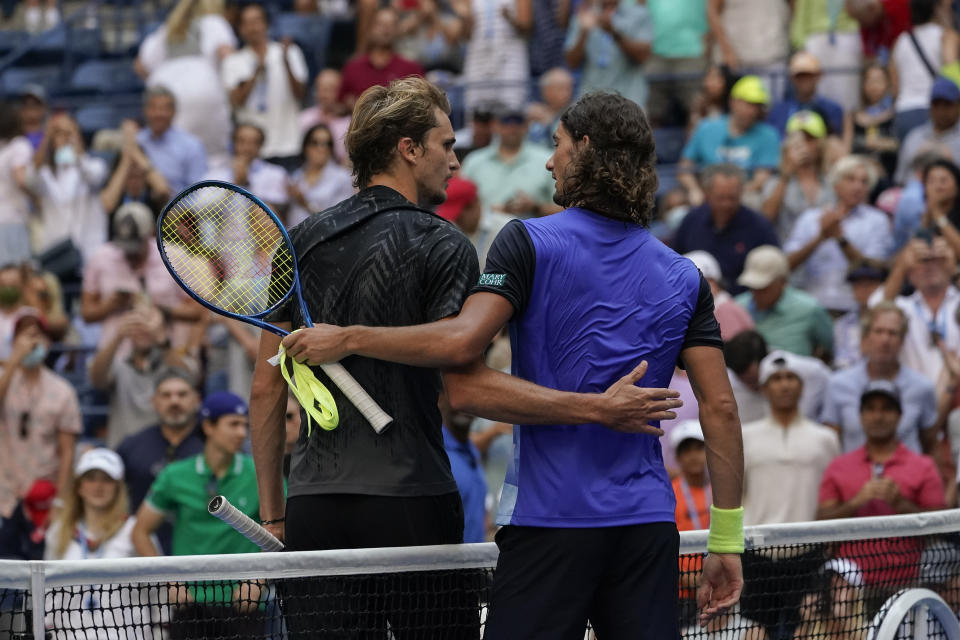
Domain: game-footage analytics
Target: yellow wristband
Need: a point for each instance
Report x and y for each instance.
(726, 530)
(311, 394)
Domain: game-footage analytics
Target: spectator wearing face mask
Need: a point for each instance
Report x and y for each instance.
(40, 415)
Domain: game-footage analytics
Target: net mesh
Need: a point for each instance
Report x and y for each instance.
(792, 591)
(226, 249)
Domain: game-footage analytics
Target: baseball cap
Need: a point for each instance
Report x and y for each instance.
(884, 388)
(132, 224)
(945, 89)
(707, 264)
(808, 122)
(460, 193)
(222, 403)
(511, 115)
(846, 569)
(763, 265)
(29, 315)
(103, 459)
(777, 361)
(804, 62)
(33, 90)
(485, 111)
(685, 430)
(750, 89)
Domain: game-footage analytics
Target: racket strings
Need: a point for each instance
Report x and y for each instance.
(234, 255)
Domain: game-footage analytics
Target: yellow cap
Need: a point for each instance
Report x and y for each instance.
(808, 122)
(750, 89)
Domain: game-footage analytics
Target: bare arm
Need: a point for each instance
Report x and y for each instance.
(715, 22)
(637, 50)
(102, 361)
(297, 88)
(772, 203)
(268, 403)
(148, 521)
(112, 192)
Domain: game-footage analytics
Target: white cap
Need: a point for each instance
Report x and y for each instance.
(707, 264)
(763, 265)
(779, 361)
(685, 430)
(846, 569)
(103, 459)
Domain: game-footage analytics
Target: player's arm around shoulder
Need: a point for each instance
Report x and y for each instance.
(722, 579)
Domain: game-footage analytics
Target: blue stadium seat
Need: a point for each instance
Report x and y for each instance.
(106, 76)
(14, 79)
(94, 117)
(669, 141)
(311, 33)
(666, 178)
(10, 40)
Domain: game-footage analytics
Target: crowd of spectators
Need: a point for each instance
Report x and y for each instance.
(814, 181)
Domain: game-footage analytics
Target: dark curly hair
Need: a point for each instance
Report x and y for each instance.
(614, 174)
(406, 108)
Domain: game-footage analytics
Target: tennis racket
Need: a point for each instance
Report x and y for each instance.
(231, 253)
(221, 508)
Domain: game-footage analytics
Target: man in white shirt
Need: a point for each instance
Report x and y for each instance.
(931, 310)
(784, 449)
(265, 180)
(266, 81)
(784, 456)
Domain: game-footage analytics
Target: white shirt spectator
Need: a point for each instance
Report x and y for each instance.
(15, 154)
(193, 77)
(495, 67)
(775, 457)
(335, 184)
(70, 204)
(824, 273)
(914, 79)
(271, 104)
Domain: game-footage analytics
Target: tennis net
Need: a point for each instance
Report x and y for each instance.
(837, 579)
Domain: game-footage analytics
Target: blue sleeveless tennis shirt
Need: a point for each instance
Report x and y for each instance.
(593, 297)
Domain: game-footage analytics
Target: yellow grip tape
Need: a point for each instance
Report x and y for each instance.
(310, 393)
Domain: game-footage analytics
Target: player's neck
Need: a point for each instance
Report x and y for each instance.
(404, 185)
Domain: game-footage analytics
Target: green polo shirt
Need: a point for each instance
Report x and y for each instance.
(497, 181)
(796, 323)
(184, 488)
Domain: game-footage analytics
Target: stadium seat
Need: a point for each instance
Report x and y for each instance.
(666, 178)
(311, 33)
(10, 40)
(106, 76)
(14, 79)
(94, 117)
(669, 141)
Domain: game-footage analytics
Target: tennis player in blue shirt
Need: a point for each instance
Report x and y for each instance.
(587, 511)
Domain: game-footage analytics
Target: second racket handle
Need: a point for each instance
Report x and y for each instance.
(221, 508)
(366, 405)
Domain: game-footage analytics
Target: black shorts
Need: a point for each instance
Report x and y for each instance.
(550, 582)
(441, 605)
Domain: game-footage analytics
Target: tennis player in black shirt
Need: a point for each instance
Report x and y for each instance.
(379, 259)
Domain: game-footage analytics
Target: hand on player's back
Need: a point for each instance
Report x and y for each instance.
(319, 344)
(629, 408)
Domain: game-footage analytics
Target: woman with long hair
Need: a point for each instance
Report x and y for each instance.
(941, 185)
(873, 133)
(835, 608)
(94, 524)
(320, 182)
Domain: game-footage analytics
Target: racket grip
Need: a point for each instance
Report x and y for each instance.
(220, 507)
(366, 405)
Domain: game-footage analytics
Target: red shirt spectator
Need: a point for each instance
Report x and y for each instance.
(380, 65)
(881, 22)
(881, 478)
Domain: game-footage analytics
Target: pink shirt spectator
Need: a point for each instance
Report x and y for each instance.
(731, 317)
(359, 75)
(108, 272)
(31, 418)
(338, 129)
(894, 560)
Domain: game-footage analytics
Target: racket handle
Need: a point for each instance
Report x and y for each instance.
(221, 508)
(366, 405)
